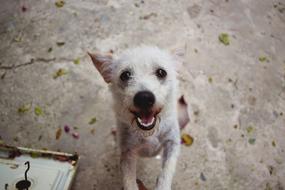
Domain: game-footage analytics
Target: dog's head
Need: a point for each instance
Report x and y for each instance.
(143, 83)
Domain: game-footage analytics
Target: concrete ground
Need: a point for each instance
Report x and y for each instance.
(235, 92)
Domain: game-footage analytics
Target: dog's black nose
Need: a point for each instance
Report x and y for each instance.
(144, 100)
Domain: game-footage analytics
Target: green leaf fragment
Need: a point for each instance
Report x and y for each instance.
(251, 141)
(210, 79)
(224, 38)
(273, 143)
(92, 121)
(59, 3)
(24, 108)
(38, 111)
(60, 72)
(76, 61)
(262, 59)
(18, 39)
(249, 129)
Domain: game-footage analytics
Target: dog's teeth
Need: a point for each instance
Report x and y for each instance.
(146, 124)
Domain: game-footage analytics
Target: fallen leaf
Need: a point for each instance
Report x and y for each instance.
(59, 3)
(59, 44)
(92, 121)
(224, 38)
(50, 49)
(60, 72)
(251, 141)
(262, 59)
(210, 79)
(187, 139)
(249, 129)
(58, 133)
(66, 128)
(75, 135)
(18, 38)
(24, 108)
(273, 143)
(38, 111)
(76, 61)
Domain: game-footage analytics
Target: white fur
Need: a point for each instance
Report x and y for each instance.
(143, 61)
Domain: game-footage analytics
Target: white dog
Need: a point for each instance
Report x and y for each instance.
(144, 87)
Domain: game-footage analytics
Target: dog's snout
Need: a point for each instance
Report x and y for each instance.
(144, 100)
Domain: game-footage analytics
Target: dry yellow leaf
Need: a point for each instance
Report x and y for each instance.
(58, 133)
(187, 139)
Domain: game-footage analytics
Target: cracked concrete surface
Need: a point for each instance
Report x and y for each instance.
(236, 101)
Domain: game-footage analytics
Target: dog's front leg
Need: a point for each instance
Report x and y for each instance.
(128, 168)
(170, 155)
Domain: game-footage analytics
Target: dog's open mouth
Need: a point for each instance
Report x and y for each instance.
(145, 120)
(146, 123)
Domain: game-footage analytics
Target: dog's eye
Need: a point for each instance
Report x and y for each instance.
(161, 73)
(125, 76)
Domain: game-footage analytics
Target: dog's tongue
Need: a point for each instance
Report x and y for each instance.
(146, 118)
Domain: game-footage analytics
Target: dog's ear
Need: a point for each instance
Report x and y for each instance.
(103, 63)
